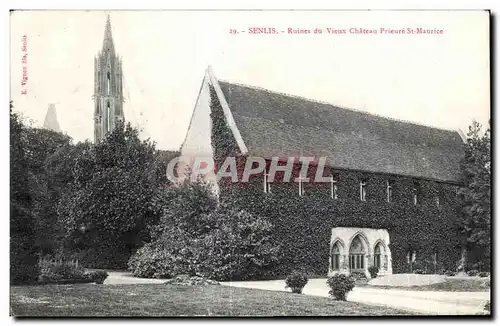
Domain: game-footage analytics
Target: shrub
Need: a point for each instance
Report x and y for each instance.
(296, 281)
(373, 270)
(48, 276)
(228, 245)
(487, 306)
(59, 270)
(159, 259)
(98, 277)
(340, 285)
(484, 263)
(422, 267)
(23, 259)
(483, 274)
(358, 276)
(190, 280)
(473, 272)
(238, 246)
(446, 272)
(104, 257)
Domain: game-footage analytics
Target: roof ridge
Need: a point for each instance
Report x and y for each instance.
(336, 105)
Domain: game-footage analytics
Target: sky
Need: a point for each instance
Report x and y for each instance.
(440, 80)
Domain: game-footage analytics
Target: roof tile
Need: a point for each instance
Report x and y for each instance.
(275, 124)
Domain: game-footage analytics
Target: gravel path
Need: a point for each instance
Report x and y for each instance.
(407, 280)
(123, 277)
(427, 302)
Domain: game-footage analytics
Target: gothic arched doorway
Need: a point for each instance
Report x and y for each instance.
(357, 252)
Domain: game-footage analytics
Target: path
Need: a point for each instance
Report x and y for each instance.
(121, 277)
(427, 302)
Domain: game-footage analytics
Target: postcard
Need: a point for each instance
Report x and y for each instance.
(250, 163)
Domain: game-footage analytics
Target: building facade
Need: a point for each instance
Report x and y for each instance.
(389, 193)
(108, 87)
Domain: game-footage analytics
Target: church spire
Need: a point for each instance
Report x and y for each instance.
(107, 44)
(51, 122)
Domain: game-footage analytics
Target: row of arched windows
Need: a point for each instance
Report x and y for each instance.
(363, 190)
(357, 254)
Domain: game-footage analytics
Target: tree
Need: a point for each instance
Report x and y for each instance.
(40, 145)
(476, 165)
(52, 183)
(23, 258)
(113, 198)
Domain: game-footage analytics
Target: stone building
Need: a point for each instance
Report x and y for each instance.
(108, 87)
(387, 179)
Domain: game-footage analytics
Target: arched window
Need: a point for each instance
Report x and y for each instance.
(377, 257)
(335, 261)
(389, 191)
(416, 193)
(108, 117)
(267, 184)
(362, 190)
(333, 187)
(357, 254)
(109, 80)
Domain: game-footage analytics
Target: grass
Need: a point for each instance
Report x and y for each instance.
(89, 300)
(450, 285)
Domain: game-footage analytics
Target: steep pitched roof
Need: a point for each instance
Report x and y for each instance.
(275, 124)
(107, 43)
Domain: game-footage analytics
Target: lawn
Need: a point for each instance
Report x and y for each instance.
(449, 285)
(162, 300)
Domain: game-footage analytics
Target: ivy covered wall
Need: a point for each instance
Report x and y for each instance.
(303, 223)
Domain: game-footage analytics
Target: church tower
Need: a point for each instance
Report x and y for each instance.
(51, 122)
(108, 87)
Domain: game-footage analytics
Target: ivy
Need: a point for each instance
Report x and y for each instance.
(303, 224)
(223, 141)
